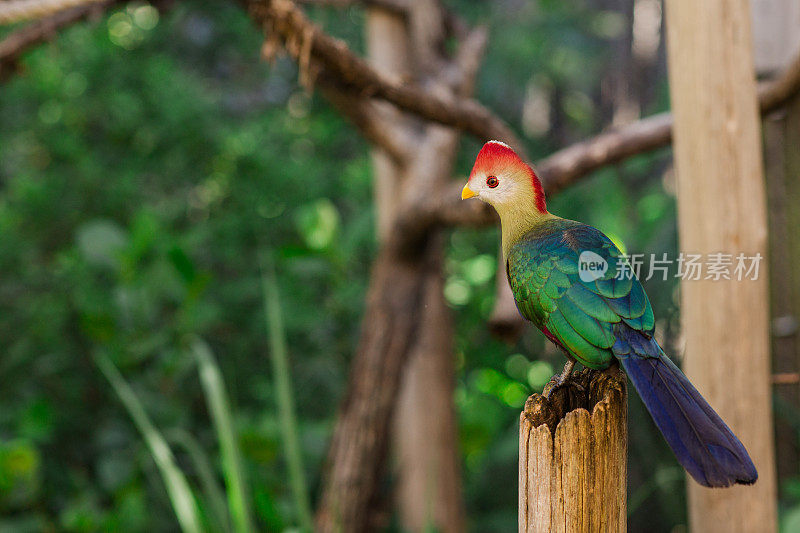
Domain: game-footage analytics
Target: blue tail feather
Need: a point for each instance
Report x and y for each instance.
(704, 445)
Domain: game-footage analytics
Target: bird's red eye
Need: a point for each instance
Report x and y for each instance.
(492, 182)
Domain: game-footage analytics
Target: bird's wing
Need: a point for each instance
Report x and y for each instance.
(556, 289)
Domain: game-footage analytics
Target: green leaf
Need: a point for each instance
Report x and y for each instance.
(219, 407)
(180, 493)
(182, 264)
(318, 223)
(285, 397)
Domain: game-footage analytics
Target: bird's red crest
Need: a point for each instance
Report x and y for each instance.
(498, 155)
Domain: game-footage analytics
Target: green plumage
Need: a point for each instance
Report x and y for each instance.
(577, 312)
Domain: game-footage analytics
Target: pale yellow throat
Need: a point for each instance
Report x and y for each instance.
(517, 219)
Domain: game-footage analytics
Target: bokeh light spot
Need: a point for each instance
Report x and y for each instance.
(539, 374)
(457, 291)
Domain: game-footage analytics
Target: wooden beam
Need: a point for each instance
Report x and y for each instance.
(722, 208)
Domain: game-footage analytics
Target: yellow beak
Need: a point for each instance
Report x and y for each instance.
(466, 192)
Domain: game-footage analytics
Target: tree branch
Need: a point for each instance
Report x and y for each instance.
(284, 21)
(557, 171)
(775, 93)
(454, 25)
(19, 41)
(568, 165)
(396, 7)
(14, 11)
(289, 23)
(366, 116)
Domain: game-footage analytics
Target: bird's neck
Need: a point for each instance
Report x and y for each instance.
(516, 220)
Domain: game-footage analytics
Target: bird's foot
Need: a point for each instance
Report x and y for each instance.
(561, 380)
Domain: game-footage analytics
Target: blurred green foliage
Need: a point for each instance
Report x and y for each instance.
(141, 179)
(148, 161)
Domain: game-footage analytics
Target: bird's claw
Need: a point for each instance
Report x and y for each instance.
(560, 380)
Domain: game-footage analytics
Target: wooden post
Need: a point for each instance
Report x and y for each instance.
(721, 209)
(572, 456)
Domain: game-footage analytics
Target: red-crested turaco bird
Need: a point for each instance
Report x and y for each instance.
(565, 277)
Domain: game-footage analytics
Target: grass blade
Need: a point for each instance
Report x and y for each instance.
(182, 439)
(219, 407)
(178, 489)
(285, 398)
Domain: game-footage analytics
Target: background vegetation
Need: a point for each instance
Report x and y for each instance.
(154, 172)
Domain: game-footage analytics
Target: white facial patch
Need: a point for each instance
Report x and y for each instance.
(505, 191)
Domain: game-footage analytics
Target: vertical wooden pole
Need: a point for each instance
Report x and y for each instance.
(721, 208)
(572, 457)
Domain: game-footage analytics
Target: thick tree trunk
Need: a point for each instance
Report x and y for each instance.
(721, 208)
(428, 477)
(360, 439)
(573, 456)
(428, 466)
(350, 492)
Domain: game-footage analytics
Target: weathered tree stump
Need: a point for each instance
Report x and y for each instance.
(572, 456)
